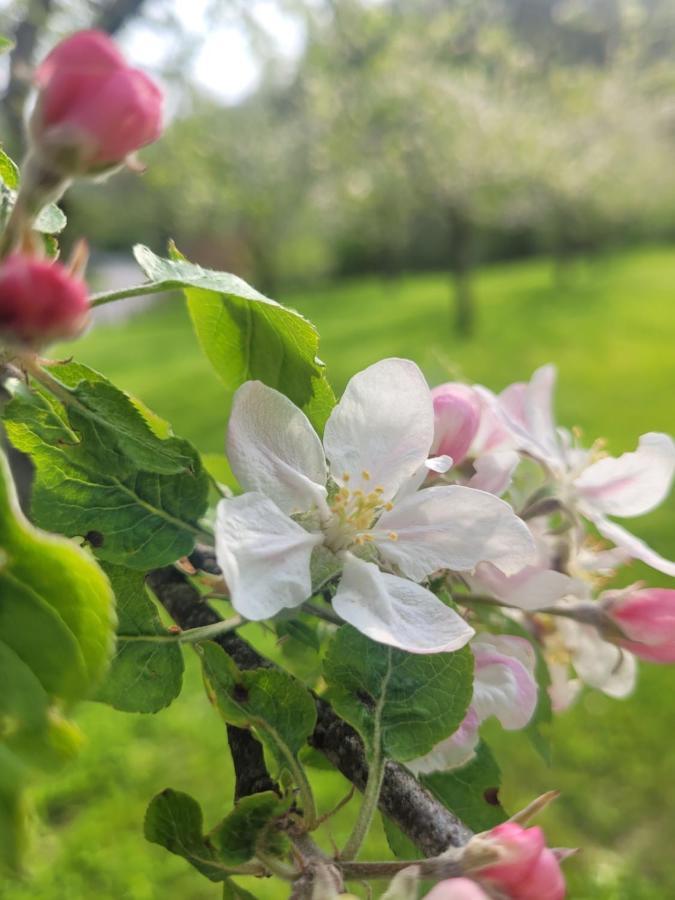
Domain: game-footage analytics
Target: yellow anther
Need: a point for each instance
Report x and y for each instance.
(345, 477)
(365, 475)
(392, 536)
(389, 506)
(358, 493)
(379, 490)
(367, 538)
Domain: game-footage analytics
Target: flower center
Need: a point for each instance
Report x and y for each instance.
(353, 513)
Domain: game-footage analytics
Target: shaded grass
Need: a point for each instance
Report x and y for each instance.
(611, 331)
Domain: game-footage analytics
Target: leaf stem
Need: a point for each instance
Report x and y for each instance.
(190, 636)
(326, 614)
(139, 290)
(371, 795)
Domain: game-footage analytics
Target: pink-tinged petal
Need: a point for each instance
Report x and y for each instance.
(636, 548)
(528, 412)
(457, 889)
(457, 412)
(264, 556)
(492, 435)
(504, 683)
(87, 51)
(454, 528)
(647, 618)
(452, 753)
(494, 471)
(383, 426)
(631, 484)
(598, 663)
(534, 587)
(529, 869)
(396, 611)
(273, 449)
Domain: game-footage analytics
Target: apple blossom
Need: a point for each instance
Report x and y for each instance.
(457, 412)
(93, 110)
(647, 618)
(358, 506)
(40, 302)
(527, 870)
(504, 686)
(587, 482)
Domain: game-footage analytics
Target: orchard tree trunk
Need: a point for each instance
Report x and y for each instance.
(461, 270)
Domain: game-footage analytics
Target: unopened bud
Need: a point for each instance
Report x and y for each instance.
(457, 889)
(457, 412)
(647, 619)
(40, 302)
(92, 109)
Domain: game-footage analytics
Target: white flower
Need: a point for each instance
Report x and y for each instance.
(504, 686)
(590, 483)
(361, 506)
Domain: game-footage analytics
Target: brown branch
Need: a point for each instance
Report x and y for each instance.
(427, 823)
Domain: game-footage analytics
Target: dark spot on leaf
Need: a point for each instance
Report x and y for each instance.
(491, 796)
(95, 538)
(365, 698)
(240, 693)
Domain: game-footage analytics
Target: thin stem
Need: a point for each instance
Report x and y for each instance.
(139, 290)
(371, 795)
(190, 636)
(277, 866)
(439, 868)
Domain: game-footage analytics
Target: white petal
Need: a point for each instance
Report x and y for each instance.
(383, 425)
(534, 587)
(439, 465)
(453, 752)
(528, 412)
(598, 663)
(631, 484)
(454, 528)
(504, 683)
(636, 548)
(396, 611)
(264, 556)
(273, 449)
(493, 472)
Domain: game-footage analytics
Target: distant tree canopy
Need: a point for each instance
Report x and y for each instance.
(427, 134)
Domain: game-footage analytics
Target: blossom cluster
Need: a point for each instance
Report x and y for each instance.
(481, 494)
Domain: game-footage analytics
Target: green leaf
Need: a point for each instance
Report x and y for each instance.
(472, 791)
(418, 700)
(9, 171)
(249, 827)
(277, 706)
(6, 44)
(56, 605)
(145, 675)
(103, 473)
(174, 820)
(14, 819)
(399, 843)
(245, 335)
(232, 891)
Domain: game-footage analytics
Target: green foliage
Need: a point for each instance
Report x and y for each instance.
(103, 474)
(145, 675)
(51, 220)
(9, 171)
(247, 829)
(174, 820)
(232, 891)
(273, 703)
(413, 701)
(245, 335)
(472, 791)
(56, 626)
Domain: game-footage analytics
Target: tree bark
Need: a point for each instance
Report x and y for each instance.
(427, 823)
(461, 266)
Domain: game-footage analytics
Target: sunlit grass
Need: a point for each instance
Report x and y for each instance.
(611, 331)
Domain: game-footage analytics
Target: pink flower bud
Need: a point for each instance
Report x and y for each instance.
(647, 618)
(457, 889)
(457, 411)
(93, 110)
(529, 870)
(40, 302)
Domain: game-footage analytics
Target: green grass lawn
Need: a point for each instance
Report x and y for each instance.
(611, 331)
